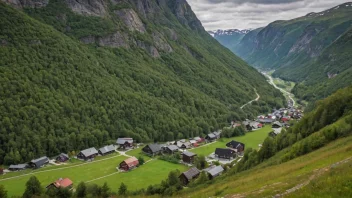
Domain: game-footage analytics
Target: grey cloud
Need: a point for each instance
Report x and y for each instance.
(243, 14)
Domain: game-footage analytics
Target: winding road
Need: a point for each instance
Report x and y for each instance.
(271, 81)
(250, 102)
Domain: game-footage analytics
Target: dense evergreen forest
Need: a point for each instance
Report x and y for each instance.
(58, 94)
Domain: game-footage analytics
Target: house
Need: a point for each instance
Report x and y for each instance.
(152, 149)
(187, 176)
(106, 150)
(277, 131)
(193, 141)
(18, 167)
(215, 171)
(217, 134)
(62, 157)
(188, 157)
(285, 119)
(266, 120)
(61, 183)
(171, 149)
(276, 125)
(237, 146)
(87, 154)
(185, 145)
(224, 153)
(124, 143)
(37, 163)
(210, 137)
(129, 164)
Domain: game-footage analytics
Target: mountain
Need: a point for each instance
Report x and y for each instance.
(284, 44)
(229, 38)
(76, 74)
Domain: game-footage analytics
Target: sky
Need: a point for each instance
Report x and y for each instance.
(249, 14)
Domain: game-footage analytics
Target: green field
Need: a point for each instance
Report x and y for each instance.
(251, 140)
(137, 153)
(98, 171)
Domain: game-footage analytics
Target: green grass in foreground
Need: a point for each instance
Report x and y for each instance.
(251, 140)
(268, 180)
(138, 152)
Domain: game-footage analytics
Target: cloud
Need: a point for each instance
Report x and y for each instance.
(244, 14)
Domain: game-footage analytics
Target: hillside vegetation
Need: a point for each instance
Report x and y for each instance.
(315, 148)
(76, 74)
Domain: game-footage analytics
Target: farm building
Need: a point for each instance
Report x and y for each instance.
(199, 139)
(187, 176)
(87, 154)
(210, 137)
(106, 150)
(184, 145)
(18, 167)
(171, 149)
(37, 163)
(152, 149)
(266, 120)
(61, 183)
(237, 146)
(188, 157)
(129, 164)
(215, 171)
(124, 143)
(276, 125)
(224, 153)
(62, 157)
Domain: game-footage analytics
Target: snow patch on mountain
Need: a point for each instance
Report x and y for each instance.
(228, 32)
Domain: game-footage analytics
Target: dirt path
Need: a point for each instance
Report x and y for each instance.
(250, 102)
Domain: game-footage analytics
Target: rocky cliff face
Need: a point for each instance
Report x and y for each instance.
(88, 7)
(27, 3)
(131, 20)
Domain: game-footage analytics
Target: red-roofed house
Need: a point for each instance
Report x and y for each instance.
(129, 164)
(61, 183)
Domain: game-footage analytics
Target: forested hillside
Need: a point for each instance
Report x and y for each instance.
(80, 74)
(289, 44)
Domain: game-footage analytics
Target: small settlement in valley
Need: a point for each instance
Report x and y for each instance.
(224, 152)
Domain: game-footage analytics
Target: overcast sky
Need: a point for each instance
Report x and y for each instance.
(244, 14)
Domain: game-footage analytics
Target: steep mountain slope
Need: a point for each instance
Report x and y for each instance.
(310, 149)
(330, 71)
(229, 38)
(76, 74)
(284, 44)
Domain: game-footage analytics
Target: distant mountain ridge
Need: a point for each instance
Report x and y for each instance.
(229, 32)
(230, 37)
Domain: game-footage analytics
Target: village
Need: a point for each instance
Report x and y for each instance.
(223, 155)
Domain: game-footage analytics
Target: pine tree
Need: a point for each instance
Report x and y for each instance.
(81, 190)
(122, 189)
(105, 190)
(33, 188)
(3, 192)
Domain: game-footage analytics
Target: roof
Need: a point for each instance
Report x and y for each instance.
(40, 161)
(63, 154)
(193, 141)
(107, 149)
(63, 183)
(18, 166)
(89, 152)
(131, 161)
(189, 154)
(266, 120)
(216, 170)
(124, 140)
(234, 144)
(173, 147)
(191, 173)
(217, 133)
(223, 151)
(211, 135)
(277, 123)
(197, 138)
(154, 147)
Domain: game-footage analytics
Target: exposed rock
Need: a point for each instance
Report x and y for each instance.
(185, 15)
(145, 7)
(149, 48)
(160, 43)
(131, 19)
(27, 3)
(88, 39)
(172, 35)
(88, 7)
(114, 40)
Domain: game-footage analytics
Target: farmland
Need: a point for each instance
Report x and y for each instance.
(103, 169)
(251, 140)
